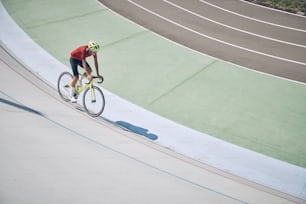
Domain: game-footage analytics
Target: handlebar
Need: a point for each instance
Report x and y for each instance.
(94, 77)
(100, 81)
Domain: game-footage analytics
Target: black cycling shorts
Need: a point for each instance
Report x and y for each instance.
(74, 65)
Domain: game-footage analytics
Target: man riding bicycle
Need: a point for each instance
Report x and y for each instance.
(78, 58)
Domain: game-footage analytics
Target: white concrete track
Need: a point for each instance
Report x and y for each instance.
(50, 152)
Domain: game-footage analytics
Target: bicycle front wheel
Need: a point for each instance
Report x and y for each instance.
(63, 85)
(94, 101)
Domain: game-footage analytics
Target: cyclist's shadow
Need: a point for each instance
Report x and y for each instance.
(135, 129)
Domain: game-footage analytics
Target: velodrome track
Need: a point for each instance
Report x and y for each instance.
(14, 102)
(53, 153)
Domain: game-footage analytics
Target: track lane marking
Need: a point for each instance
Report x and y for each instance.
(253, 19)
(215, 39)
(233, 28)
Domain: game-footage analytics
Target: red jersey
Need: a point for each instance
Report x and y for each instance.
(81, 53)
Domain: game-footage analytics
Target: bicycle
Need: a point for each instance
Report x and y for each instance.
(93, 97)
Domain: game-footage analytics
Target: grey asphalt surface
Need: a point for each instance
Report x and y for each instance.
(51, 152)
(277, 48)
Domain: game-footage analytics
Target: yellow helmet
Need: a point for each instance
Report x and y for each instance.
(93, 46)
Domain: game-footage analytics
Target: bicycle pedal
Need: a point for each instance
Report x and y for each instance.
(93, 101)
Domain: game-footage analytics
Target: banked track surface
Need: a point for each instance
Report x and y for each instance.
(52, 152)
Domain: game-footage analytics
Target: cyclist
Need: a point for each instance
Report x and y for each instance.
(78, 58)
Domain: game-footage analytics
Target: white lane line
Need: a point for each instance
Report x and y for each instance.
(215, 39)
(254, 19)
(233, 28)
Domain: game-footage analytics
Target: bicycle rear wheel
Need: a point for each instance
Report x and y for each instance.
(63, 85)
(94, 106)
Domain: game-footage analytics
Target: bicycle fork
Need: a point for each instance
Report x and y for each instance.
(92, 94)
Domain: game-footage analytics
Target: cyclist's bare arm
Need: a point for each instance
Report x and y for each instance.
(97, 68)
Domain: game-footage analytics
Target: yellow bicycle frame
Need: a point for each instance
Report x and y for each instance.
(89, 85)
